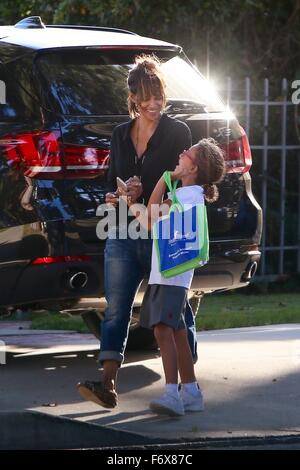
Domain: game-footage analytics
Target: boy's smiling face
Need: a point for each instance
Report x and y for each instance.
(187, 162)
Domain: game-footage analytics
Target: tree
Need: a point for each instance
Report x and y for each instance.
(257, 38)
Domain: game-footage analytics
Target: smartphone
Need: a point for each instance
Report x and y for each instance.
(121, 184)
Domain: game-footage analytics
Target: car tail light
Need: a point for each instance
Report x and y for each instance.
(41, 154)
(85, 161)
(237, 155)
(60, 259)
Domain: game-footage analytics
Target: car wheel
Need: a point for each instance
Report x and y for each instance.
(139, 338)
(195, 303)
(93, 322)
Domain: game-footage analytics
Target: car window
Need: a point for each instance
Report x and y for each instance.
(17, 101)
(9, 52)
(186, 84)
(93, 82)
(8, 101)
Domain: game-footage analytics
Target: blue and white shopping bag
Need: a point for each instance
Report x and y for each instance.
(181, 238)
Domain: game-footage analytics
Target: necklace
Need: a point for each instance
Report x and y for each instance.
(137, 157)
(137, 137)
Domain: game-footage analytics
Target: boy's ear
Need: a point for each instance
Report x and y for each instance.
(194, 169)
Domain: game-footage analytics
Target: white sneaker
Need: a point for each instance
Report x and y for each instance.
(192, 402)
(168, 405)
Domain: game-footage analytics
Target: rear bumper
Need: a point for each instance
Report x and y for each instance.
(42, 283)
(39, 283)
(222, 273)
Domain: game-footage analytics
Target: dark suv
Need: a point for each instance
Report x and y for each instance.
(62, 91)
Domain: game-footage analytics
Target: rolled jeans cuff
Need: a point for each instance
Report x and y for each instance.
(111, 356)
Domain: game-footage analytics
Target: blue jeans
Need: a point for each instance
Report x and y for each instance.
(126, 264)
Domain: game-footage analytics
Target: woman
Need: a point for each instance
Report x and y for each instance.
(141, 150)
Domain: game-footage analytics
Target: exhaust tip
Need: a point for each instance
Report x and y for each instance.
(78, 280)
(249, 272)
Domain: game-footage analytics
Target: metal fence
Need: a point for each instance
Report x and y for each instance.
(268, 116)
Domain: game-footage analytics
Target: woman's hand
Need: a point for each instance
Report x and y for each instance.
(134, 189)
(112, 198)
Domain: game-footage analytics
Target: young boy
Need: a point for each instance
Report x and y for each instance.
(165, 299)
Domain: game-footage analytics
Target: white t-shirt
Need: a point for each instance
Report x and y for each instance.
(188, 196)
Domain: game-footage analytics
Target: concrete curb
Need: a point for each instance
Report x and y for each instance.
(212, 443)
(33, 430)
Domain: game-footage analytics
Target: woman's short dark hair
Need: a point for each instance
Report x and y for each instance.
(211, 167)
(145, 79)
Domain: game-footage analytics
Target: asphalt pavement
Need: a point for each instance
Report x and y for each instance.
(250, 379)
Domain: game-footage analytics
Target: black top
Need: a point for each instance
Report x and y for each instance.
(170, 138)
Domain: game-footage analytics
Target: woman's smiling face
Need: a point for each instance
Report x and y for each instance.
(151, 108)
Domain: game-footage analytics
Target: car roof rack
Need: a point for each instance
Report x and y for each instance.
(36, 22)
(92, 28)
(30, 22)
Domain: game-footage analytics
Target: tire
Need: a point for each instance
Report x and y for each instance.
(93, 322)
(195, 303)
(139, 339)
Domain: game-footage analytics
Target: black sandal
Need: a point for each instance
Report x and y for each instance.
(96, 392)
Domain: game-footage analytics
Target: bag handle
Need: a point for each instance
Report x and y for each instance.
(172, 188)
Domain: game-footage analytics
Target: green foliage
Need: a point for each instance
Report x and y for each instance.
(13, 11)
(58, 321)
(249, 38)
(218, 311)
(47, 320)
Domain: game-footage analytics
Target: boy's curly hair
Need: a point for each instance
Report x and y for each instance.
(211, 167)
